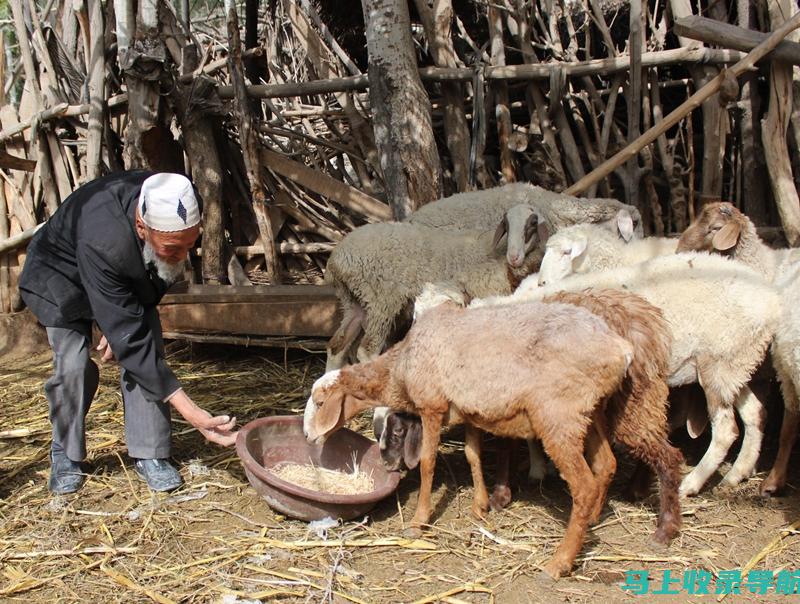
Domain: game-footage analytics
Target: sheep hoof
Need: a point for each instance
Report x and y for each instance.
(501, 497)
(662, 536)
(688, 489)
(413, 532)
(557, 568)
(771, 487)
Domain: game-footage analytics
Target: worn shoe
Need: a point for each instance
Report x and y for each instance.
(159, 474)
(66, 476)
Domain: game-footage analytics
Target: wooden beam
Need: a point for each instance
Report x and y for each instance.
(18, 240)
(273, 310)
(323, 184)
(716, 32)
(690, 104)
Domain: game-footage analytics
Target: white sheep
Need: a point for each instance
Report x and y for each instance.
(723, 315)
(722, 228)
(585, 248)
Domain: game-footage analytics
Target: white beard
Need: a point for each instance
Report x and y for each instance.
(169, 273)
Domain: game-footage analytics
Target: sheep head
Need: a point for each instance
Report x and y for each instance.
(561, 251)
(328, 408)
(524, 230)
(401, 441)
(718, 228)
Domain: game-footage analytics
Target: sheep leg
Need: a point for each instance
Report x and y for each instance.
(472, 448)
(639, 483)
(501, 496)
(538, 466)
(376, 334)
(431, 433)
(723, 435)
(791, 421)
(655, 451)
(567, 455)
(602, 462)
(342, 341)
(752, 413)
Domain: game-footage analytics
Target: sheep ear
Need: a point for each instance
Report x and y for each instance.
(542, 230)
(578, 247)
(625, 225)
(696, 419)
(727, 236)
(330, 413)
(501, 230)
(412, 445)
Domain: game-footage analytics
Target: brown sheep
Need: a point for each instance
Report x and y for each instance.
(528, 371)
(636, 415)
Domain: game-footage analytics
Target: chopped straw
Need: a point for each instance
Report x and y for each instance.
(215, 540)
(325, 480)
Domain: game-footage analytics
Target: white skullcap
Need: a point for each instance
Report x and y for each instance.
(167, 203)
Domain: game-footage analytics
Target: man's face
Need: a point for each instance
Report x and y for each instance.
(171, 247)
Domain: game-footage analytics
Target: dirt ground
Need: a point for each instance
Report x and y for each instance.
(215, 540)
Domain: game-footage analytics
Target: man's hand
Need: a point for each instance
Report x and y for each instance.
(105, 350)
(217, 429)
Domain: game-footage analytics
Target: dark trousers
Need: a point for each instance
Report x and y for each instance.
(73, 385)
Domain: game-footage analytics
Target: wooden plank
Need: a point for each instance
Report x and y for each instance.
(723, 34)
(281, 310)
(323, 184)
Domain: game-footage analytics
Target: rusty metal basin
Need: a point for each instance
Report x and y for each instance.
(264, 443)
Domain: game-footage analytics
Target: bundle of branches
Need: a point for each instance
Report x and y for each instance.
(279, 132)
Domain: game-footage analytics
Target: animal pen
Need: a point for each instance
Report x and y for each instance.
(298, 122)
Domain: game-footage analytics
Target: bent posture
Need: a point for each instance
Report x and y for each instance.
(108, 255)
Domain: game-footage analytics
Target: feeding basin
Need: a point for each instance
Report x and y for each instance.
(267, 442)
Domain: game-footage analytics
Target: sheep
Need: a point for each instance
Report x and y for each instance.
(479, 210)
(636, 415)
(587, 248)
(722, 228)
(534, 370)
(696, 291)
(378, 269)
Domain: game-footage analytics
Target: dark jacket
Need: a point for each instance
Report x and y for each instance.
(86, 264)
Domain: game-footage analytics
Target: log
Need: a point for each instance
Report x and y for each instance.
(97, 80)
(502, 113)
(774, 127)
(18, 240)
(323, 184)
(693, 102)
(248, 139)
(726, 35)
(31, 76)
(254, 251)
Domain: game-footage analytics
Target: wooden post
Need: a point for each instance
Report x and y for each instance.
(502, 113)
(539, 122)
(31, 76)
(437, 20)
(5, 289)
(774, 127)
(249, 144)
(97, 78)
(693, 102)
(401, 109)
(635, 42)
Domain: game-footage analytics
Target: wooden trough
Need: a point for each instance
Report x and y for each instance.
(296, 316)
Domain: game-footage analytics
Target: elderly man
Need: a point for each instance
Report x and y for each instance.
(108, 255)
